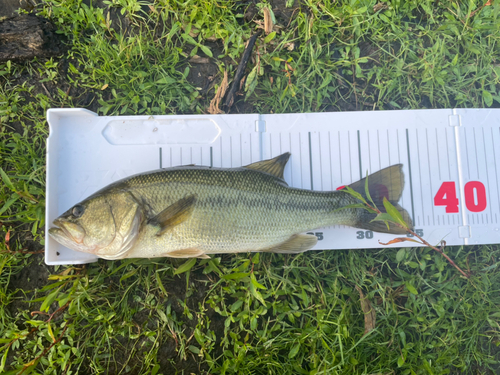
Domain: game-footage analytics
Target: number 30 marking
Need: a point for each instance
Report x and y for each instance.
(366, 234)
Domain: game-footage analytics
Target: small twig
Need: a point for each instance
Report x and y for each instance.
(439, 250)
(221, 91)
(66, 96)
(51, 316)
(22, 251)
(479, 9)
(34, 329)
(424, 242)
(240, 72)
(46, 91)
(31, 363)
(9, 251)
(456, 15)
(28, 365)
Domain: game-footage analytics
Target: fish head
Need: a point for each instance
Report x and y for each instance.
(106, 225)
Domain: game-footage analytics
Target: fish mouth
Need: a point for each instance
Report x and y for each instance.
(68, 234)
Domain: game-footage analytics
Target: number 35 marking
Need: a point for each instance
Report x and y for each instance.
(317, 234)
(368, 234)
(474, 192)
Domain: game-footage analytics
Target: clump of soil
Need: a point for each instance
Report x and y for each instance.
(24, 37)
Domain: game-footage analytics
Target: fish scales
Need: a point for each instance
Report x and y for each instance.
(236, 210)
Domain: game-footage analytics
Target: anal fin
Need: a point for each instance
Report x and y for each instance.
(188, 253)
(296, 244)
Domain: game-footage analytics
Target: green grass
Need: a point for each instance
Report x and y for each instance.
(246, 313)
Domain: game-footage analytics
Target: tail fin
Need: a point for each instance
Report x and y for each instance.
(388, 183)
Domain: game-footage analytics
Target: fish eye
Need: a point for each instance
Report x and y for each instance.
(77, 211)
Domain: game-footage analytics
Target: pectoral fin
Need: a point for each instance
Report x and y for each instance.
(275, 166)
(188, 253)
(298, 243)
(174, 214)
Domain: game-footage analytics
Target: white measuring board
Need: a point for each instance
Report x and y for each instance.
(452, 189)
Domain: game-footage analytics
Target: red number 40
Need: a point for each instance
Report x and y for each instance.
(447, 196)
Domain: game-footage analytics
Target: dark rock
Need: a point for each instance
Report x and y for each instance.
(28, 36)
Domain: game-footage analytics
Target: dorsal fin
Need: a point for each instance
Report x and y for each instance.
(275, 166)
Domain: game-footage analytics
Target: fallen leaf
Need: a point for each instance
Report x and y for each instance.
(289, 46)
(398, 240)
(489, 2)
(221, 91)
(380, 6)
(368, 311)
(268, 21)
(104, 87)
(199, 60)
(194, 32)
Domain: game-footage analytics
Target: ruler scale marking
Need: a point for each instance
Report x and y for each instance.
(271, 145)
(310, 162)
(420, 178)
(461, 205)
(378, 144)
(410, 177)
(369, 156)
(340, 158)
(430, 174)
(300, 158)
(388, 147)
(320, 161)
(359, 157)
(447, 153)
(251, 148)
(475, 149)
(330, 155)
(487, 175)
(467, 156)
(349, 145)
(403, 199)
(496, 171)
(439, 162)
(291, 169)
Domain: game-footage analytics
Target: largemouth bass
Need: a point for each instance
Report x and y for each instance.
(192, 211)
